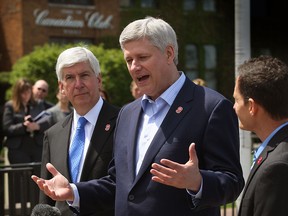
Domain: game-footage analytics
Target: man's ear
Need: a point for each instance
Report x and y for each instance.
(170, 54)
(253, 107)
(99, 78)
(61, 89)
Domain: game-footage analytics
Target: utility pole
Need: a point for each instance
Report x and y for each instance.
(242, 53)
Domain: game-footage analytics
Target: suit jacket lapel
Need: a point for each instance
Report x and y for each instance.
(134, 121)
(65, 141)
(101, 133)
(273, 143)
(176, 113)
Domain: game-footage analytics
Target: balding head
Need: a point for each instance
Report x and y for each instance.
(40, 90)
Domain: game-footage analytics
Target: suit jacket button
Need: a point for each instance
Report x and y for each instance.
(131, 197)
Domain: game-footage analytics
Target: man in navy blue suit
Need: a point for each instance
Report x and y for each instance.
(176, 149)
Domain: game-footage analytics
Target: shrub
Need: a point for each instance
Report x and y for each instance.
(40, 64)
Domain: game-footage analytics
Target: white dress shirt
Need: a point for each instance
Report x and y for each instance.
(154, 113)
(91, 117)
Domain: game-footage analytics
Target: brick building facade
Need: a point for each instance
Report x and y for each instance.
(25, 24)
(205, 30)
(28, 23)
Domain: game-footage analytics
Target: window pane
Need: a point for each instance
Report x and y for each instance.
(127, 3)
(210, 79)
(75, 2)
(209, 5)
(210, 57)
(265, 51)
(191, 74)
(191, 57)
(63, 40)
(189, 5)
(147, 3)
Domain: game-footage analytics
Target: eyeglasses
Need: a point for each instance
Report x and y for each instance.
(41, 89)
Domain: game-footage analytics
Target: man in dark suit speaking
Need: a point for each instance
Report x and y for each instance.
(156, 170)
(78, 73)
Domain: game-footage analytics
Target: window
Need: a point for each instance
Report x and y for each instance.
(127, 3)
(189, 5)
(209, 5)
(192, 74)
(75, 2)
(191, 56)
(262, 51)
(148, 4)
(201, 62)
(210, 61)
(210, 79)
(191, 59)
(63, 40)
(210, 56)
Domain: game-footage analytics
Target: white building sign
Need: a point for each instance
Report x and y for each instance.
(91, 19)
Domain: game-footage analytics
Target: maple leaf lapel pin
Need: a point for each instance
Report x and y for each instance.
(259, 160)
(179, 109)
(107, 127)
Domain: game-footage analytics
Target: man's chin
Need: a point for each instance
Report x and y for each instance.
(242, 127)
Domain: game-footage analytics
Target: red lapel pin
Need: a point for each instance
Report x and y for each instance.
(179, 109)
(259, 160)
(107, 128)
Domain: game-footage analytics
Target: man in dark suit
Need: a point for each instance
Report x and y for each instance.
(156, 170)
(40, 92)
(262, 107)
(78, 73)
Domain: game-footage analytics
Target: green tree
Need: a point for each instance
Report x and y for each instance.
(40, 64)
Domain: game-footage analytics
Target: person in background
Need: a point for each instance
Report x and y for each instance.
(104, 94)
(261, 104)
(175, 153)
(60, 110)
(22, 133)
(199, 81)
(40, 92)
(135, 91)
(79, 80)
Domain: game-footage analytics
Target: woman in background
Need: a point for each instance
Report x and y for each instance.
(60, 110)
(18, 126)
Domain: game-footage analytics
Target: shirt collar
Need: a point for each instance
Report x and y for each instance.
(92, 115)
(168, 95)
(266, 141)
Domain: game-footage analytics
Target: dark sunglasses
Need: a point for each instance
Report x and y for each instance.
(41, 89)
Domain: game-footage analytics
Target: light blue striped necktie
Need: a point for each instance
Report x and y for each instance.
(254, 158)
(76, 148)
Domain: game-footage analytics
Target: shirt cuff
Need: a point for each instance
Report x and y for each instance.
(197, 195)
(76, 201)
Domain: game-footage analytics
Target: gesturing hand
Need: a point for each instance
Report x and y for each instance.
(57, 188)
(184, 176)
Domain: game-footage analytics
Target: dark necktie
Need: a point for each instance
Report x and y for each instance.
(76, 148)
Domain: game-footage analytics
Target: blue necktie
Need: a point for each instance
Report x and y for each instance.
(254, 158)
(76, 148)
